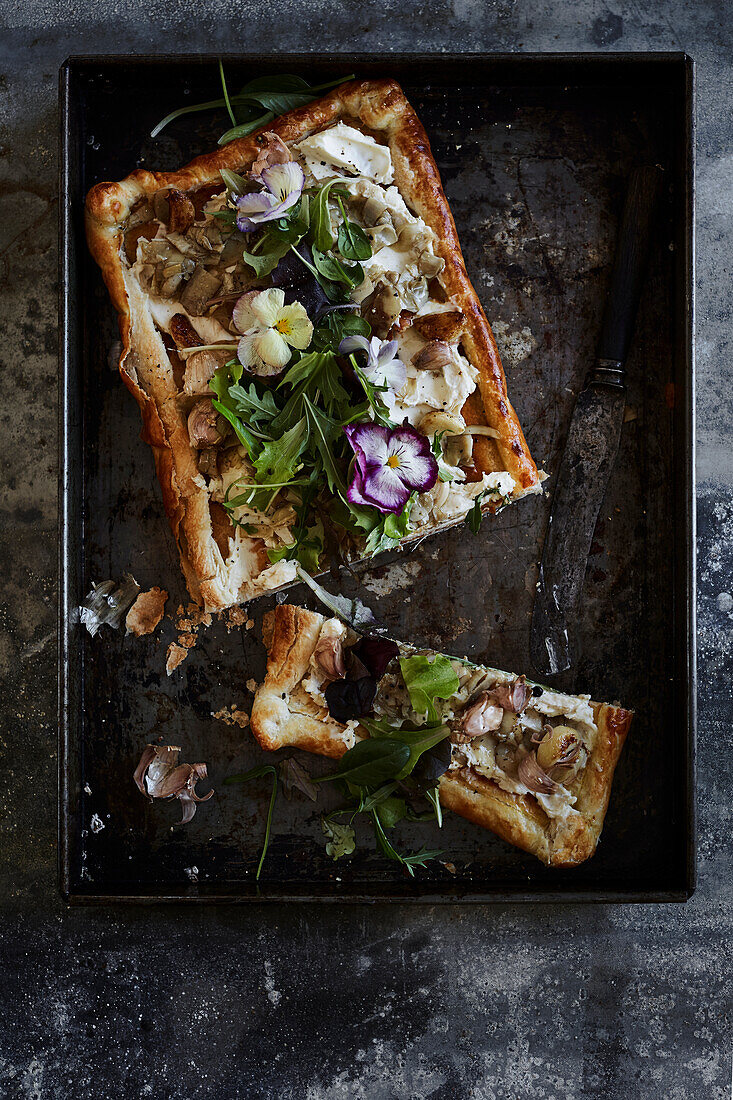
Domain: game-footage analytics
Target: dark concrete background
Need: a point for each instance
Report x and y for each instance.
(314, 1003)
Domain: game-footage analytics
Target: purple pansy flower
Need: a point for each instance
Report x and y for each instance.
(284, 183)
(383, 366)
(390, 464)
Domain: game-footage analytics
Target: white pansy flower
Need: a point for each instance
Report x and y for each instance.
(270, 329)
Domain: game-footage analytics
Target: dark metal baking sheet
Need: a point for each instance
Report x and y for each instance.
(534, 151)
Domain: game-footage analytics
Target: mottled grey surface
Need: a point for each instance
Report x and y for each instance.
(474, 1003)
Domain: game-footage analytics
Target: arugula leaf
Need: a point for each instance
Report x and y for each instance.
(411, 859)
(325, 430)
(341, 838)
(427, 681)
(377, 407)
(254, 406)
(224, 404)
(368, 800)
(278, 460)
(256, 773)
(294, 777)
(353, 242)
(318, 371)
(370, 763)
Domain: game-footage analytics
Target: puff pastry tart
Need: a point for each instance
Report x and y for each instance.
(315, 373)
(533, 765)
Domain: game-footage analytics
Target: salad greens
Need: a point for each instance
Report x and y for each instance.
(387, 776)
(257, 102)
(428, 680)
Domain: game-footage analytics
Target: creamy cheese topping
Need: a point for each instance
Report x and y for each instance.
(346, 148)
(446, 390)
(448, 499)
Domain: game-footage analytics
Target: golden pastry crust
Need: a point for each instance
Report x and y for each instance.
(284, 714)
(380, 107)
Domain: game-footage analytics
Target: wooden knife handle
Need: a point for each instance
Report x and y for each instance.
(632, 250)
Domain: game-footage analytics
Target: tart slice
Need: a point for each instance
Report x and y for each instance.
(532, 764)
(316, 375)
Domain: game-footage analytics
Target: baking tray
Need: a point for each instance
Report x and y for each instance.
(534, 152)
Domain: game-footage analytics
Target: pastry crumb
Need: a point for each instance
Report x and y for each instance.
(251, 685)
(187, 640)
(232, 716)
(146, 612)
(236, 616)
(249, 624)
(175, 656)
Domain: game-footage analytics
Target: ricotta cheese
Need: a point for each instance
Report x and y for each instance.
(427, 390)
(554, 705)
(345, 148)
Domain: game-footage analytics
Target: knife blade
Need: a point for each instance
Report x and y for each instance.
(593, 438)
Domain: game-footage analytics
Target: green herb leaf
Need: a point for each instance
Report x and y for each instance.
(257, 773)
(370, 763)
(272, 90)
(427, 680)
(411, 859)
(235, 184)
(353, 612)
(353, 242)
(390, 529)
(474, 516)
(369, 800)
(341, 838)
(390, 811)
(256, 407)
(246, 128)
(265, 261)
(325, 431)
(224, 405)
(226, 93)
(294, 777)
(417, 740)
(338, 324)
(276, 240)
(321, 233)
(333, 271)
(433, 797)
(278, 461)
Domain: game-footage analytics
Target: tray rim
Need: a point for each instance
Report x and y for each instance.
(685, 615)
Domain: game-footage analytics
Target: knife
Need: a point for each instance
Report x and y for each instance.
(593, 437)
